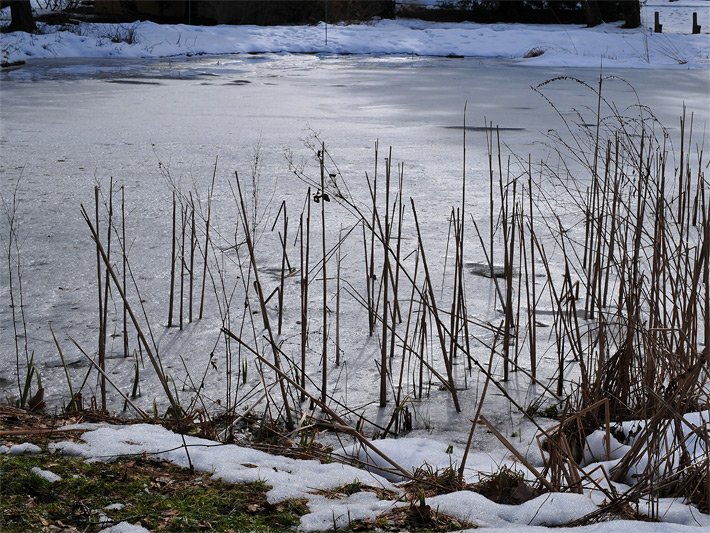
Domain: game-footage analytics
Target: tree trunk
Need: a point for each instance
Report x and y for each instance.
(20, 15)
(592, 13)
(632, 13)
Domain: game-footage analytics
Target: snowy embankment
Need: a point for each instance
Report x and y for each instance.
(293, 478)
(539, 45)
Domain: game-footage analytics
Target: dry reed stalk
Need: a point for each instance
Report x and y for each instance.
(371, 269)
(385, 285)
(104, 313)
(512, 449)
(398, 256)
(340, 424)
(262, 304)
(406, 333)
(488, 258)
(433, 308)
(284, 262)
(616, 199)
(153, 358)
(72, 402)
(304, 286)
(324, 353)
(479, 407)
(207, 238)
(520, 210)
(172, 267)
(509, 243)
(124, 257)
(101, 345)
(532, 304)
(193, 245)
(98, 368)
(337, 298)
(183, 218)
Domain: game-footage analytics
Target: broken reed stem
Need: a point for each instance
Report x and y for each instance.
(454, 323)
(405, 347)
(172, 267)
(520, 209)
(303, 308)
(616, 198)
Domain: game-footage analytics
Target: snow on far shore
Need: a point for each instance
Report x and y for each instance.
(528, 44)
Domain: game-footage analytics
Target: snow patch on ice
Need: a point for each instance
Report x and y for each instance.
(409, 453)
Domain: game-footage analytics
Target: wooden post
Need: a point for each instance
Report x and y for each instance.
(657, 26)
(696, 26)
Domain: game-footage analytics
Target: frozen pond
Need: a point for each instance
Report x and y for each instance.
(67, 125)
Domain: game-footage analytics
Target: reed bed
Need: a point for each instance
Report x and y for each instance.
(607, 238)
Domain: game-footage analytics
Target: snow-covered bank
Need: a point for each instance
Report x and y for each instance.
(539, 45)
(292, 478)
